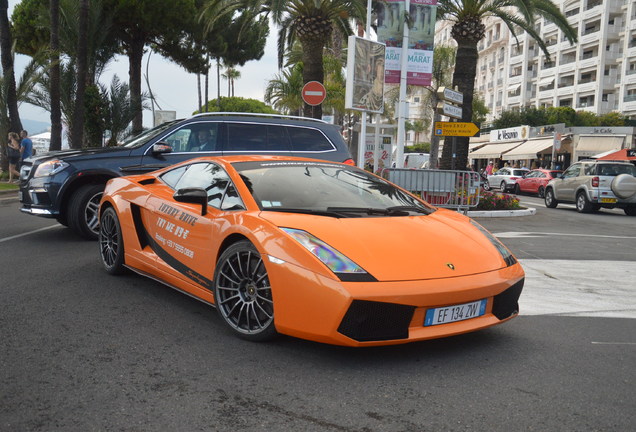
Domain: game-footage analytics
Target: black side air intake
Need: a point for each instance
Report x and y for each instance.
(367, 321)
(506, 303)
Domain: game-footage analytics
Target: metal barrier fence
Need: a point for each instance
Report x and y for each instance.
(450, 189)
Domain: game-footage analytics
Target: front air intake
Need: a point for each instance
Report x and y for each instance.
(367, 321)
(506, 303)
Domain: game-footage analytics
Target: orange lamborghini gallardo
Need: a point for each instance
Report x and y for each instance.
(312, 249)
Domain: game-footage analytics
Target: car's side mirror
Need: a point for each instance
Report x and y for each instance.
(161, 148)
(193, 196)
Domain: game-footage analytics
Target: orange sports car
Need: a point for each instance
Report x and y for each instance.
(312, 249)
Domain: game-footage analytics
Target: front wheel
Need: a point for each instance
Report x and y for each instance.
(550, 201)
(242, 293)
(583, 205)
(111, 242)
(83, 210)
(503, 186)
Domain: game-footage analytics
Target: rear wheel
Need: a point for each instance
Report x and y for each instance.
(503, 186)
(111, 242)
(517, 189)
(583, 205)
(541, 191)
(83, 210)
(630, 211)
(242, 293)
(550, 201)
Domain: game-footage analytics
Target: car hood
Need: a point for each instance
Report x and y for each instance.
(80, 154)
(440, 245)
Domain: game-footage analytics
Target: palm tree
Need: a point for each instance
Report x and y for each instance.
(284, 91)
(6, 55)
(54, 73)
(230, 75)
(468, 29)
(311, 22)
(120, 111)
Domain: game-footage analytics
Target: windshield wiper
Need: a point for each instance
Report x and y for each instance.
(328, 212)
(410, 208)
(391, 211)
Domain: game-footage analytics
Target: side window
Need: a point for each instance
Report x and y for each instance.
(171, 178)
(573, 171)
(540, 175)
(213, 179)
(194, 138)
(309, 140)
(590, 169)
(242, 137)
(232, 200)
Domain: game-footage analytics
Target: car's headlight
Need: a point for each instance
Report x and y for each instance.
(50, 168)
(505, 253)
(342, 266)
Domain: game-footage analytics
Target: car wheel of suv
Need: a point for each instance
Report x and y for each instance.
(111, 242)
(583, 205)
(83, 210)
(630, 211)
(517, 189)
(242, 292)
(503, 186)
(550, 201)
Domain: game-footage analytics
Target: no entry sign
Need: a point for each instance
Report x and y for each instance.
(314, 93)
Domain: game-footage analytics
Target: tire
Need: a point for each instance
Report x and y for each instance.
(624, 186)
(517, 189)
(550, 201)
(503, 186)
(486, 185)
(630, 211)
(83, 211)
(541, 192)
(111, 243)
(242, 293)
(583, 205)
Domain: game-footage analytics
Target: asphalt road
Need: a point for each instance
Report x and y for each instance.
(84, 351)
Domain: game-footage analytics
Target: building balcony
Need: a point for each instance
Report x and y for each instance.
(514, 59)
(589, 38)
(546, 94)
(567, 67)
(631, 52)
(586, 87)
(591, 13)
(563, 91)
(630, 78)
(588, 63)
(514, 100)
(515, 79)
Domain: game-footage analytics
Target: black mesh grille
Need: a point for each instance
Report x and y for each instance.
(373, 321)
(506, 303)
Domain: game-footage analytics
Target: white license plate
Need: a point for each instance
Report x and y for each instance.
(455, 313)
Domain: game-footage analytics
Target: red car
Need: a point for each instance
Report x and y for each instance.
(535, 181)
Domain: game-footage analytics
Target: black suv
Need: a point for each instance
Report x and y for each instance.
(68, 185)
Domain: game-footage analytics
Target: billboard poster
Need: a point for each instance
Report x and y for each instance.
(384, 151)
(365, 75)
(421, 36)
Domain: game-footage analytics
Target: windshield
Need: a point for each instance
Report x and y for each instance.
(323, 188)
(147, 135)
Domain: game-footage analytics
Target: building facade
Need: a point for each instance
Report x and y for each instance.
(597, 74)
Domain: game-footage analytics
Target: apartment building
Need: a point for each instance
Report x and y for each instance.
(597, 74)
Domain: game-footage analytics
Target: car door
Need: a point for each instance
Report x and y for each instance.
(185, 239)
(184, 143)
(566, 185)
(496, 179)
(526, 183)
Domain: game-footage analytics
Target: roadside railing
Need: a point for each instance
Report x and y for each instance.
(458, 190)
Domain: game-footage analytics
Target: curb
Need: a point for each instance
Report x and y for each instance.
(9, 195)
(503, 213)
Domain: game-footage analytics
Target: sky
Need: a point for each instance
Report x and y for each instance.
(174, 88)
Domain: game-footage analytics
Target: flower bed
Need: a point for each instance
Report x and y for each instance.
(497, 201)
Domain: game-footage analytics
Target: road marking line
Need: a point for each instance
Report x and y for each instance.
(28, 233)
(522, 234)
(613, 343)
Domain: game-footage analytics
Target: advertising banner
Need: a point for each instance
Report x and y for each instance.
(421, 35)
(365, 75)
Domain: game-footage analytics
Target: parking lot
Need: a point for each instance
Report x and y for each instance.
(82, 350)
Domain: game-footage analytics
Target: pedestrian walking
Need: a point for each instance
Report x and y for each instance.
(13, 153)
(26, 146)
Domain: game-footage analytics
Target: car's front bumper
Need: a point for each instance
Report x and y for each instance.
(311, 306)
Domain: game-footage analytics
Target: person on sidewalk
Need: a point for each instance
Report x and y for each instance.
(13, 153)
(26, 146)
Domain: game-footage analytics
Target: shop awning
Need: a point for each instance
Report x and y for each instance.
(546, 81)
(493, 151)
(514, 88)
(594, 144)
(529, 149)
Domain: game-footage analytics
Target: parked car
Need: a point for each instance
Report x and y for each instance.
(505, 178)
(68, 185)
(535, 181)
(285, 245)
(593, 185)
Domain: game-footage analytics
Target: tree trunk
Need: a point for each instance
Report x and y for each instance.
(56, 111)
(313, 71)
(135, 58)
(15, 125)
(77, 134)
(199, 92)
(464, 79)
